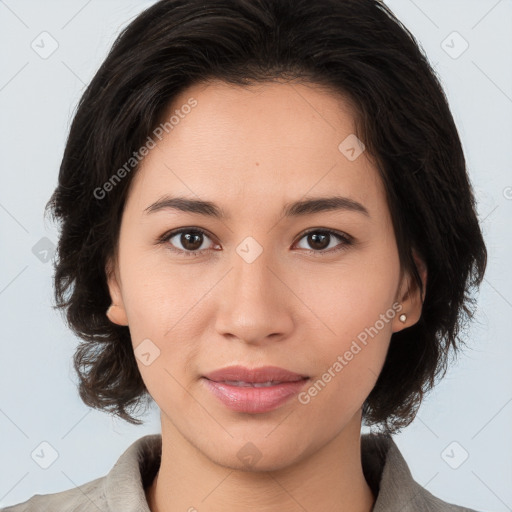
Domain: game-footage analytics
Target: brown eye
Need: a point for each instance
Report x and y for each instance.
(187, 241)
(323, 241)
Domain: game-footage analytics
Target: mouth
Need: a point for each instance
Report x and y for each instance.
(254, 391)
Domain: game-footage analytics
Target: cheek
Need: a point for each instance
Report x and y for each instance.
(158, 294)
(348, 296)
(351, 329)
(162, 303)
(350, 360)
(163, 323)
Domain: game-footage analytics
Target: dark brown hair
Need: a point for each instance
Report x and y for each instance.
(355, 47)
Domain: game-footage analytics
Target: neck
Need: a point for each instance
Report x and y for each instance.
(329, 479)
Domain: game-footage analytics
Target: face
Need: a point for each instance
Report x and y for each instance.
(317, 291)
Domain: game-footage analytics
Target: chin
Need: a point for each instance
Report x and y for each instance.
(260, 453)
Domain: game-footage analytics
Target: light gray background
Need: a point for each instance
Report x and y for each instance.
(38, 397)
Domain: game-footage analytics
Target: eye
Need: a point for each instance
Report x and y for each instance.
(320, 240)
(190, 239)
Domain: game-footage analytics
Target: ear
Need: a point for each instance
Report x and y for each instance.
(409, 296)
(116, 312)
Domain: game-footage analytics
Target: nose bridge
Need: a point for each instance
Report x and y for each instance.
(252, 279)
(253, 306)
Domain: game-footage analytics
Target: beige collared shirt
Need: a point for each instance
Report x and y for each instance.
(123, 488)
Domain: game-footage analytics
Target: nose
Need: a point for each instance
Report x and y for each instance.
(255, 303)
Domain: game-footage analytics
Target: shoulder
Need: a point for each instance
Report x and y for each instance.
(123, 488)
(427, 501)
(392, 482)
(86, 497)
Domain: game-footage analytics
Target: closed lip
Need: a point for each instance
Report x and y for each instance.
(261, 374)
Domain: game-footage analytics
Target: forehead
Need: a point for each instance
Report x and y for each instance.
(264, 118)
(267, 142)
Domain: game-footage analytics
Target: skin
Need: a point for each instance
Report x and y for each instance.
(251, 150)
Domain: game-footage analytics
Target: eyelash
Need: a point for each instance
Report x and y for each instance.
(345, 239)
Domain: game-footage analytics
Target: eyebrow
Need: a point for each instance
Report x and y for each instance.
(294, 209)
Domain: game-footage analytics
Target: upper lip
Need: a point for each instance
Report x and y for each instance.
(261, 374)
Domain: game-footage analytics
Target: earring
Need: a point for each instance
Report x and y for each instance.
(402, 318)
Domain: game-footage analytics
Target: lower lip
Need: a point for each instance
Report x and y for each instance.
(254, 400)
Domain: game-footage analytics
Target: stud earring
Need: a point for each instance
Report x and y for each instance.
(402, 318)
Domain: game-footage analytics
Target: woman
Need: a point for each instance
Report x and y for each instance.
(268, 229)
